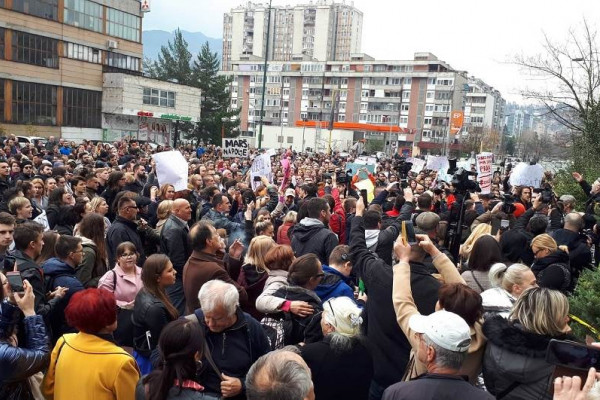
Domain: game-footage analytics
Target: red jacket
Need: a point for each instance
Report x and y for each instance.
(282, 234)
(337, 222)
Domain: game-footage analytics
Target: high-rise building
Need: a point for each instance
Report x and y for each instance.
(484, 107)
(320, 31)
(414, 98)
(53, 54)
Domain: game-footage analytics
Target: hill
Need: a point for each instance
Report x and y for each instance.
(154, 39)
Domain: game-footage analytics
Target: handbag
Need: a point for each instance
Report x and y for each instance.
(124, 333)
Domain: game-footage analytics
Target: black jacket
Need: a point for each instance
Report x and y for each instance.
(336, 375)
(123, 230)
(53, 214)
(301, 329)
(436, 387)
(136, 187)
(390, 348)
(515, 355)
(234, 350)
(554, 272)
(313, 238)
(149, 315)
(593, 200)
(175, 243)
(580, 255)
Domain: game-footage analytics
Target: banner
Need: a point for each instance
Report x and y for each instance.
(171, 168)
(456, 122)
(261, 166)
(235, 148)
(525, 174)
(355, 167)
(484, 172)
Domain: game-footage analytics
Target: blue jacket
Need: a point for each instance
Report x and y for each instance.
(59, 273)
(334, 284)
(18, 363)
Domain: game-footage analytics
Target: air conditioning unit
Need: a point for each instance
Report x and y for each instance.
(112, 44)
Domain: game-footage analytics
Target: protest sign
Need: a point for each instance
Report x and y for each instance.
(417, 164)
(235, 148)
(366, 160)
(261, 166)
(484, 172)
(171, 168)
(438, 163)
(367, 185)
(527, 175)
(357, 166)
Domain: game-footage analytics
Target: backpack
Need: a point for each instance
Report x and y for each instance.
(275, 332)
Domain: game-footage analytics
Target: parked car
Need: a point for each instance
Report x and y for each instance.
(25, 140)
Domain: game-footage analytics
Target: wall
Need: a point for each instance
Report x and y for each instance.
(341, 140)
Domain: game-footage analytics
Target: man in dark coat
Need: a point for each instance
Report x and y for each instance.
(390, 348)
(175, 243)
(124, 229)
(312, 234)
(580, 255)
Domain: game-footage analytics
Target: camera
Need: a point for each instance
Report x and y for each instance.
(343, 176)
(547, 195)
(462, 183)
(508, 204)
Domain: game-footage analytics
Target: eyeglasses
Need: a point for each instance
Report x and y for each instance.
(332, 312)
(320, 275)
(535, 253)
(128, 255)
(77, 251)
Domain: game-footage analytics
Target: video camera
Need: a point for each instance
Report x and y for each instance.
(402, 169)
(462, 182)
(508, 204)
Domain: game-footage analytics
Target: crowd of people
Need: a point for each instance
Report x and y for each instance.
(293, 285)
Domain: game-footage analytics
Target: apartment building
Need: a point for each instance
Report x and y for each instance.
(53, 54)
(414, 98)
(320, 31)
(484, 107)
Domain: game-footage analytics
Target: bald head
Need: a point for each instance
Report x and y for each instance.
(573, 222)
(280, 374)
(182, 209)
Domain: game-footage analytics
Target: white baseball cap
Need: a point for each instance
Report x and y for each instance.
(290, 192)
(444, 328)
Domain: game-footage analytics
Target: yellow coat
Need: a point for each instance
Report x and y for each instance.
(89, 367)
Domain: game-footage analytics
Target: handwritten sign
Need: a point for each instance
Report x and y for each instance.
(484, 172)
(417, 164)
(171, 168)
(235, 148)
(527, 175)
(261, 166)
(438, 163)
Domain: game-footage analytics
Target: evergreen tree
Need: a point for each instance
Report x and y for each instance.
(174, 62)
(215, 98)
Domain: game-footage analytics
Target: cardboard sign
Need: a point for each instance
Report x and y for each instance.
(484, 172)
(355, 167)
(261, 166)
(171, 168)
(417, 164)
(527, 175)
(438, 163)
(235, 148)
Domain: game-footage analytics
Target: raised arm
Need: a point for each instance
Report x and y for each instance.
(441, 262)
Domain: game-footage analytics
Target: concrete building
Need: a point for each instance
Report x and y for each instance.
(53, 54)
(146, 109)
(319, 31)
(484, 107)
(413, 98)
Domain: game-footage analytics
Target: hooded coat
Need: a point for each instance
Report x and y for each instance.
(516, 358)
(554, 272)
(91, 268)
(311, 236)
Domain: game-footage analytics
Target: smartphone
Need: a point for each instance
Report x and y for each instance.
(504, 224)
(15, 281)
(495, 226)
(363, 194)
(408, 232)
(573, 355)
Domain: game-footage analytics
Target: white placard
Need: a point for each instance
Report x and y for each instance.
(171, 168)
(261, 166)
(527, 175)
(417, 164)
(235, 148)
(438, 163)
(484, 172)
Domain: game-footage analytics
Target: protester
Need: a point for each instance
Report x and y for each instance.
(254, 272)
(552, 266)
(88, 363)
(508, 283)
(94, 263)
(312, 235)
(485, 253)
(124, 229)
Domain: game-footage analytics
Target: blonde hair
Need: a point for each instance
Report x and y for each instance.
(129, 177)
(258, 248)
(39, 182)
(17, 203)
(542, 311)
(505, 277)
(290, 217)
(164, 209)
(479, 231)
(545, 241)
(95, 202)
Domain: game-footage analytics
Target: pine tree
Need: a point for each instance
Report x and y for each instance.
(215, 98)
(174, 62)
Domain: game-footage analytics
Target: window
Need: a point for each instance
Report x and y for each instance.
(33, 103)
(157, 97)
(40, 8)
(290, 139)
(82, 108)
(427, 121)
(408, 81)
(404, 120)
(430, 95)
(84, 14)
(34, 49)
(1, 100)
(122, 61)
(83, 53)
(1, 43)
(123, 25)
(404, 107)
(406, 94)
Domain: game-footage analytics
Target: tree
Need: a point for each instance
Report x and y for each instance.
(509, 145)
(480, 139)
(215, 98)
(174, 62)
(573, 68)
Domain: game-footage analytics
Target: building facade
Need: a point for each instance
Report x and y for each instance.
(484, 107)
(414, 98)
(146, 109)
(53, 54)
(317, 31)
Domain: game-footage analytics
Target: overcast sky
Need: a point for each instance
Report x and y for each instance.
(473, 35)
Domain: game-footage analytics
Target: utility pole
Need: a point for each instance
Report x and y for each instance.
(264, 85)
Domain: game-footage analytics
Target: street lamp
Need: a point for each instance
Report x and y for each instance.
(303, 130)
(391, 108)
(264, 84)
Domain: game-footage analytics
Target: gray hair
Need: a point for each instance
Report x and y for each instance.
(276, 376)
(218, 292)
(444, 357)
(574, 220)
